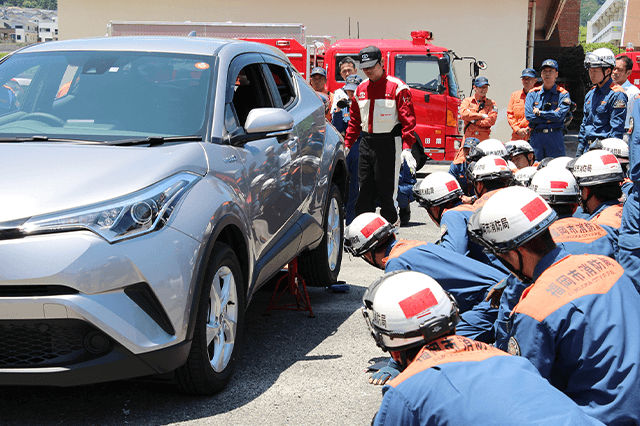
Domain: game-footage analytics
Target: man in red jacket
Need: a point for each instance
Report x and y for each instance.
(383, 111)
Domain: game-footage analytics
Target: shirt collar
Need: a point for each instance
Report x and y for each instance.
(554, 89)
(605, 87)
(547, 260)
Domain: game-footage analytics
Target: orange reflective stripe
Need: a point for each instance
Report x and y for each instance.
(575, 229)
(611, 216)
(404, 245)
(570, 278)
(445, 350)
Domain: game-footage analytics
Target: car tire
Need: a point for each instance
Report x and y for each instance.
(320, 267)
(218, 330)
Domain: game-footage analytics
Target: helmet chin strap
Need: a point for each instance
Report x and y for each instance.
(517, 272)
(583, 202)
(604, 76)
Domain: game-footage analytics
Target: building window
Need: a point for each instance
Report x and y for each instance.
(18, 37)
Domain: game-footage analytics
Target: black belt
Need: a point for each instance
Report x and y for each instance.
(397, 131)
(547, 130)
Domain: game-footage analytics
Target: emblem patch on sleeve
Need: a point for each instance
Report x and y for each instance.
(620, 103)
(443, 232)
(514, 347)
(566, 101)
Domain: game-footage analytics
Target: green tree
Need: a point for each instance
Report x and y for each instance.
(588, 8)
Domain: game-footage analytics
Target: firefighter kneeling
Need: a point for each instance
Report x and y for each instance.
(449, 379)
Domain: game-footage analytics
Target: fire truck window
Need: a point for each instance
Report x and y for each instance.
(250, 91)
(283, 82)
(339, 58)
(419, 73)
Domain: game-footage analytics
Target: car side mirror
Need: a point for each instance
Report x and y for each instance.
(443, 65)
(264, 123)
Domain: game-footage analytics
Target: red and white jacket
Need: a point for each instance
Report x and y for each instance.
(377, 107)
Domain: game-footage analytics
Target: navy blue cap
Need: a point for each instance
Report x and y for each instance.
(481, 81)
(352, 82)
(528, 72)
(470, 142)
(550, 63)
(319, 70)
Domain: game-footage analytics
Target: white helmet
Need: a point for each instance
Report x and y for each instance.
(518, 147)
(436, 189)
(600, 58)
(524, 175)
(616, 146)
(487, 147)
(556, 186)
(561, 162)
(404, 309)
(491, 167)
(597, 167)
(510, 218)
(367, 231)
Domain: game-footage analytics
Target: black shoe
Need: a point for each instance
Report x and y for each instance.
(405, 216)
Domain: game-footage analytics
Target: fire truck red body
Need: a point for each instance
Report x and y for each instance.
(634, 78)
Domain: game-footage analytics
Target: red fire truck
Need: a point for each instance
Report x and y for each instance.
(303, 51)
(428, 71)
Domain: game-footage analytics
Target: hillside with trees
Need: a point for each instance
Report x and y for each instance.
(588, 8)
(34, 4)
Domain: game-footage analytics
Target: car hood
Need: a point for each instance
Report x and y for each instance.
(38, 178)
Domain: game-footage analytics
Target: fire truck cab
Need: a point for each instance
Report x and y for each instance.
(427, 69)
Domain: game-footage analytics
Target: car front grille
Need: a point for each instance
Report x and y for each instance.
(44, 343)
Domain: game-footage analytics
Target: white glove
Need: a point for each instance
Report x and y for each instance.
(346, 152)
(411, 162)
(485, 116)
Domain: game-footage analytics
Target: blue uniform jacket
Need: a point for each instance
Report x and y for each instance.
(456, 381)
(406, 181)
(454, 237)
(578, 324)
(554, 117)
(459, 171)
(466, 279)
(608, 215)
(634, 145)
(605, 110)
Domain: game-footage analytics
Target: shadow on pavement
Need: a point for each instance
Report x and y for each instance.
(271, 345)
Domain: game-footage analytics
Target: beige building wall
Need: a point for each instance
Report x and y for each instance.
(493, 30)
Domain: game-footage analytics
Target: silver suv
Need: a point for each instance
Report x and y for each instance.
(149, 187)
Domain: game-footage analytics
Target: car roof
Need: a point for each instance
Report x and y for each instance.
(185, 45)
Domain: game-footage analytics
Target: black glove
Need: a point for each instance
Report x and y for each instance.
(342, 103)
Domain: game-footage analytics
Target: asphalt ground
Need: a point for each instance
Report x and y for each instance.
(294, 370)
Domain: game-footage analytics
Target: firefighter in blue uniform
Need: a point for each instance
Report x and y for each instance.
(578, 321)
(558, 187)
(546, 108)
(605, 105)
(599, 175)
(629, 239)
(450, 379)
(459, 165)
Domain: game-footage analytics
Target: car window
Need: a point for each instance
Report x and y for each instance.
(250, 91)
(419, 72)
(104, 95)
(282, 79)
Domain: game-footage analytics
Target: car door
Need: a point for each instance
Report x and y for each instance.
(272, 196)
(307, 109)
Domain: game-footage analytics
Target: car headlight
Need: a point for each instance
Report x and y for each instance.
(135, 214)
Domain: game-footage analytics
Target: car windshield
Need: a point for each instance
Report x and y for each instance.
(104, 96)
